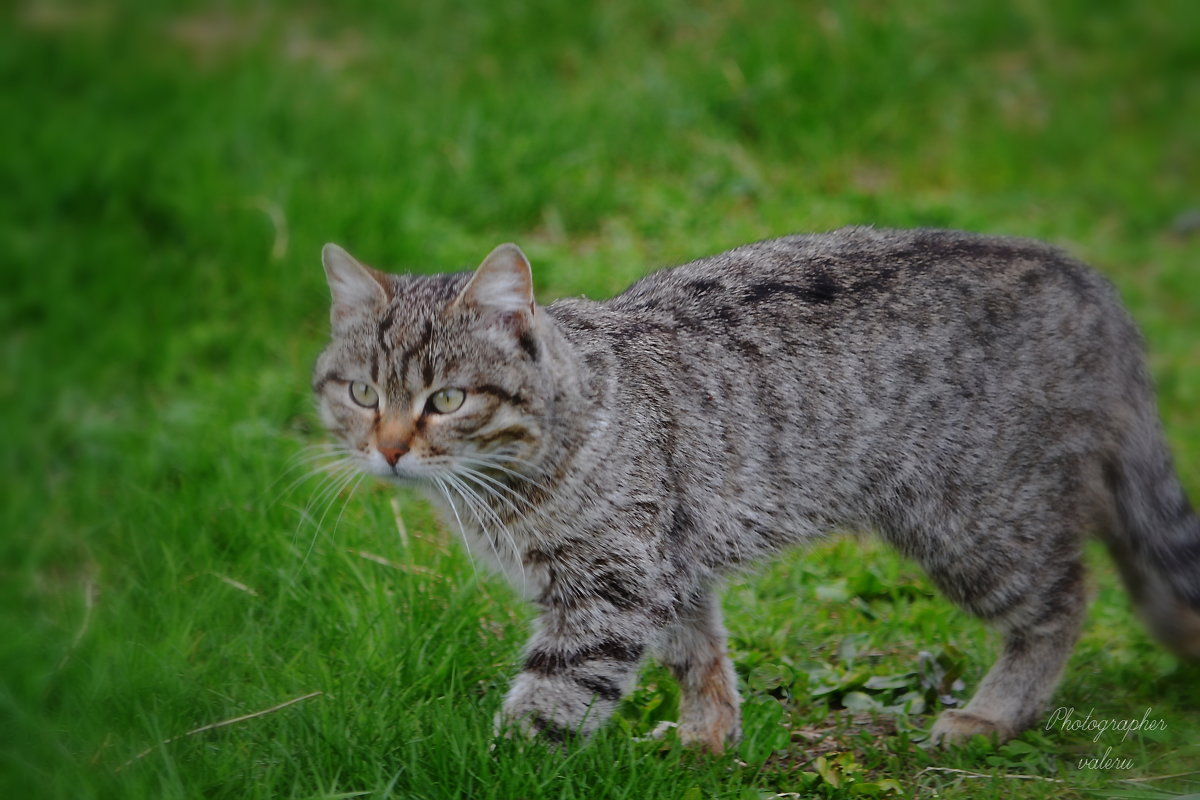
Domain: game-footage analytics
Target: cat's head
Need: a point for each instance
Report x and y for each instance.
(433, 375)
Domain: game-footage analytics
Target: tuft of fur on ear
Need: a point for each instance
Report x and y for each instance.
(354, 286)
(503, 283)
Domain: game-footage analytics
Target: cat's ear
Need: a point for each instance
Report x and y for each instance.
(355, 287)
(502, 284)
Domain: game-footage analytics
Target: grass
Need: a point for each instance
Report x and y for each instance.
(171, 172)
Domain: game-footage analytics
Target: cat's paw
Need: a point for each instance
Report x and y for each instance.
(534, 726)
(551, 711)
(714, 740)
(713, 731)
(957, 726)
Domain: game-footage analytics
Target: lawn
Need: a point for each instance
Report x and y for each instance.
(186, 612)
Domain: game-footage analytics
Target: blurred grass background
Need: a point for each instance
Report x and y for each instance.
(170, 172)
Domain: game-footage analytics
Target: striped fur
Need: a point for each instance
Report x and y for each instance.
(982, 403)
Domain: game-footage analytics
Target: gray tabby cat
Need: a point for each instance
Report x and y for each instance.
(980, 402)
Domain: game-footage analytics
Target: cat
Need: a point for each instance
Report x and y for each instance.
(982, 403)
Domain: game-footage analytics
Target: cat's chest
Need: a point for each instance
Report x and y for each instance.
(498, 541)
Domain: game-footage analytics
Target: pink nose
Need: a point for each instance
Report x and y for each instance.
(392, 452)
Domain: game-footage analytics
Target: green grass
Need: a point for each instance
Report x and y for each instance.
(170, 173)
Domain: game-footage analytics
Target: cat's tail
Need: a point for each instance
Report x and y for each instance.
(1156, 541)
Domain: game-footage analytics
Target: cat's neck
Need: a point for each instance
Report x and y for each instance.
(575, 395)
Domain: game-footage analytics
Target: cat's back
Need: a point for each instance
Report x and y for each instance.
(859, 271)
(862, 289)
(876, 316)
(873, 315)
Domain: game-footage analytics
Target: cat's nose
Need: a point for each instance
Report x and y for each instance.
(392, 452)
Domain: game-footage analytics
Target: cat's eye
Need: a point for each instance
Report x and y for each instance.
(445, 401)
(364, 394)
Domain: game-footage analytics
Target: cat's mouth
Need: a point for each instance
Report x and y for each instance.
(405, 475)
(402, 471)
(405, 472)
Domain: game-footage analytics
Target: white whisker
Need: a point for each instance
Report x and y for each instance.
(491, 463)
(441, 485)
(354, 487)
(307, 460)
(334, 467)
(311, 453)
(329, 480)
(348, 478)
(474, 500)
(502, 456)
(326, 497)
(494, 488)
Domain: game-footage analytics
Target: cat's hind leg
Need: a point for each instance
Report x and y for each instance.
(1039, 613)
(694, 650)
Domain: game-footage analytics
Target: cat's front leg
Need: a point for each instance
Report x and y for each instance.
(578, 666)
(694, 650)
